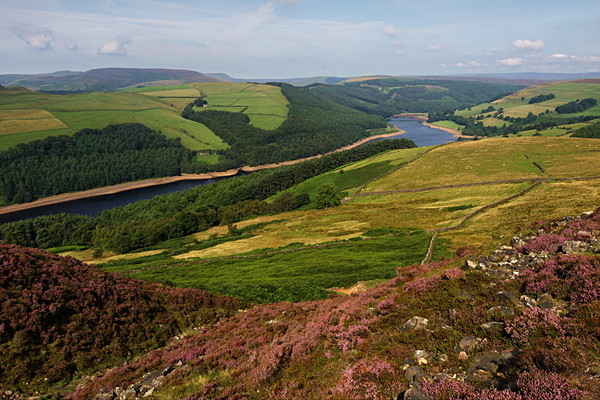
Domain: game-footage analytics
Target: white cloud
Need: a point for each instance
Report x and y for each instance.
(511, 62)
(115, 46)
(71, 46)
(433, 47)
(468, 64)
(559, 56)
(36, 37)
(390, 30)
(528, 44)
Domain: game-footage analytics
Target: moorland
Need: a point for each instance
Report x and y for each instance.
(467, 270)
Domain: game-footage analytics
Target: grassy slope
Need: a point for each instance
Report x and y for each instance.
(265, 105)
(456, 163)
(26, 116)
(513, 106)
(564, 91)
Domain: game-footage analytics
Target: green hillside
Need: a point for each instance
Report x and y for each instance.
(387, 96)
(498, 186)
(537, 110)
(26, 116)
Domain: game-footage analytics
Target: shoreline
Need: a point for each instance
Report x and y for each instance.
(423, 118)
(127, 186)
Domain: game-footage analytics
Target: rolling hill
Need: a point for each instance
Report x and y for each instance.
(530, 111)
(506, 310)
(105, 79)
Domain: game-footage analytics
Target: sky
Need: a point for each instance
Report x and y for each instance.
(301, 38)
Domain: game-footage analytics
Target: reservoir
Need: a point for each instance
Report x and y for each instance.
(422, 136)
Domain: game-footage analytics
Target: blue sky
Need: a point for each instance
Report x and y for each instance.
(294, 38)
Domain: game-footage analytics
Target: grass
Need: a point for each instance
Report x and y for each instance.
(71, 113)
(27, 116)
(349, 177)
(306, 273)
(322, 249)
(448, 124)
(494, 159)
(265, 105)
(564, 91)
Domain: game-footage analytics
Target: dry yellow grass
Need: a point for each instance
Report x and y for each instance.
(545, 203)
(12, 126)
(494, 159)
(299, 227)
(24, 114)
(189, 92)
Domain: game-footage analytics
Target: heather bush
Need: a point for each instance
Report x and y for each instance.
(61, 317)
(368, 379)
(536, 322)
(548, 242)
(539, 385)
(452, 389)
(570, 277)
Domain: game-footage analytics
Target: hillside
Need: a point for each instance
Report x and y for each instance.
(105, 79)
(26, 116)
(518, 323)
(463, 316)
(62, 319)
(548, 109)
(386, 96)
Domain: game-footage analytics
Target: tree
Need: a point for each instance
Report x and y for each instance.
(327, 196)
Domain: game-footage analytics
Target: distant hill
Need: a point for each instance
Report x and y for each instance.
(330, 80)
(105, 79)
(536, 110)
(386, 95)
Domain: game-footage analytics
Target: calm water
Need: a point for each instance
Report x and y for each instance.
(422, 135)
(93, 205)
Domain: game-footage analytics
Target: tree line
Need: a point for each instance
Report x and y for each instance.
(173, 215)
(313, 126)
(90, 158)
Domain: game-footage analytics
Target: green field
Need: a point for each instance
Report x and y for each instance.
(95, 110)
(26, 116)
(275, 249)
(265, 105)
(516, 104)
(265, 276)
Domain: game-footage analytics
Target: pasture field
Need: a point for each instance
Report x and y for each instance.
(336, 244)
(516, 104)
(26, 116)
(265, 105)
(448, 124)
(348, 178)
(67, 114)
(494, 159)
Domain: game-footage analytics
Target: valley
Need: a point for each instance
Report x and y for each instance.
(292, 281)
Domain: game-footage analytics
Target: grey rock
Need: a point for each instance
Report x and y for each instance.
(416, 374)
(414, 393)
(575, 246)
(494, 325)
(517, 242)
(469, 343)
(505, 310)
(511, 297)
(470, 264)
(105, 396)
(528, 301)
(415, 323)
(546, 302)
